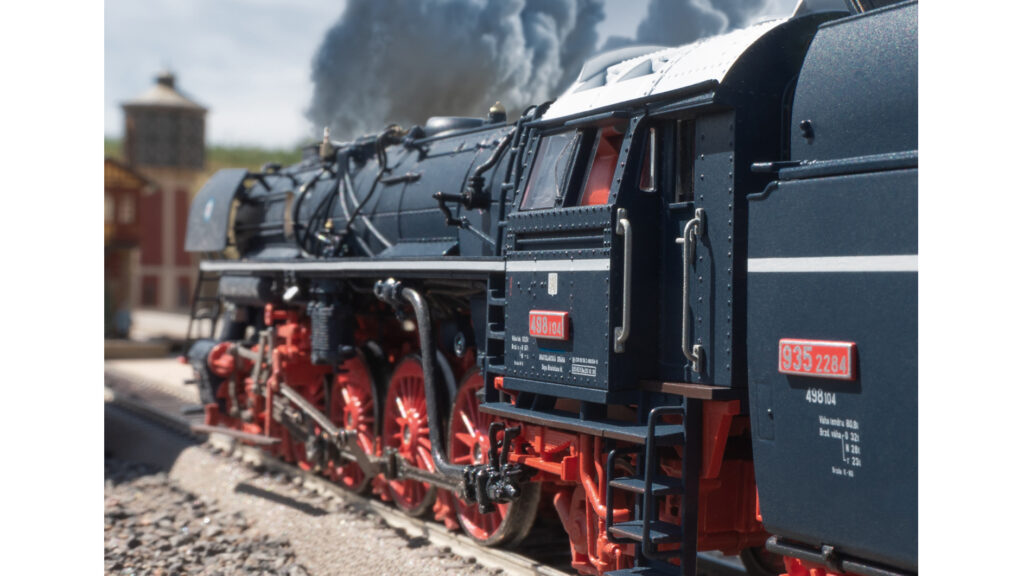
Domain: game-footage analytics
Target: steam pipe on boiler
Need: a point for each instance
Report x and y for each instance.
(394, 293)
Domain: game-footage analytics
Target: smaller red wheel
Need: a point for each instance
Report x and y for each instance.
(352, 408)
(298, 453)
(407, 430)
(469, 444)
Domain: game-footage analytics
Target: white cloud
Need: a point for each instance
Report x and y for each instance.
(248, 61)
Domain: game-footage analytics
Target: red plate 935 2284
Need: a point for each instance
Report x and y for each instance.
(819, 358)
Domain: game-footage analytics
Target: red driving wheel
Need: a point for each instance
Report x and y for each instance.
(406, 430)
(469, 443)
(352, 408)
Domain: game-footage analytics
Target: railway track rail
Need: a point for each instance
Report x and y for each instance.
(155, 405)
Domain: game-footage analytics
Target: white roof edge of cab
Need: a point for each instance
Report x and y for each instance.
(659, 72)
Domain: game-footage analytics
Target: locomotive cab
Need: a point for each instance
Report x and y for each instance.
(622, 203)
(574, 306)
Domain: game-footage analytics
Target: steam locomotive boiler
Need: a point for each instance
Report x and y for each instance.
(676, 307)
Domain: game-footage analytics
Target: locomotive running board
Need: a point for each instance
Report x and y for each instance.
(237, 434)
(610, 429)
(356, 265)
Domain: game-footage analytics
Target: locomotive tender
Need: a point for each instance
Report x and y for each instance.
(676, 307)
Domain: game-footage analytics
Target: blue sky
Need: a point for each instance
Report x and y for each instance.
(248, 61)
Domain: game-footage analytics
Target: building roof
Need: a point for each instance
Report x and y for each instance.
(645, 71)
(118, 175)
(163, 94)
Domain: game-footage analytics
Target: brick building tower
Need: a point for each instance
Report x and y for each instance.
(165, 141)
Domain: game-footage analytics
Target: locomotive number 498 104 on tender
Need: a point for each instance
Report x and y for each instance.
(676, 306)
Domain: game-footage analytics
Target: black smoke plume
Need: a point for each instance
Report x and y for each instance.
(389, 61)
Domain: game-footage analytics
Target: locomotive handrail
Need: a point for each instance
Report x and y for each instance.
(693, 230)
(624, 228)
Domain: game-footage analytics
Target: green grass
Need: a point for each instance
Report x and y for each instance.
(112, 149)
(218, 156)
(250, 157)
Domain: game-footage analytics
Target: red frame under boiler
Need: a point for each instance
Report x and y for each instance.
(573, 463)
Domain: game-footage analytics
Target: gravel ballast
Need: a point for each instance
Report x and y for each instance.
(152, 526)
(213, 515)
(266, 514)
(329, 534)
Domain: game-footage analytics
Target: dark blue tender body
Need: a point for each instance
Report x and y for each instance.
(833, 256)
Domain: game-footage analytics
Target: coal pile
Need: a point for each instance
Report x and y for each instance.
(152, 526)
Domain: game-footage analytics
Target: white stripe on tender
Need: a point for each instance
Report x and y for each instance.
(898, 263)
(585, 265)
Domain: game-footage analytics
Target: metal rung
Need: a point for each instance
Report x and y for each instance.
(660, 485)
(661, 532)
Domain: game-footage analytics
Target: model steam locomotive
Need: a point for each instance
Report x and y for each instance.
(677, 306)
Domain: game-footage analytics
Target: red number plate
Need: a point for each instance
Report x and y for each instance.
(817, 358)
(550, 325)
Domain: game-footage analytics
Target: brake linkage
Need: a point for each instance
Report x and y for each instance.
(496, 481)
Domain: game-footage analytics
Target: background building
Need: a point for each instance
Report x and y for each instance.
(165, 142)
(122, 190)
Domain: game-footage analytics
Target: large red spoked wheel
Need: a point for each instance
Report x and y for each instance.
(469, 444)
(406, 430)
(352, 407)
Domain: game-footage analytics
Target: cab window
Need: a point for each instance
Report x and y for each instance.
(678, 138)
(574, 168)
(684, 157)
(549, 179)
(602, 168)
